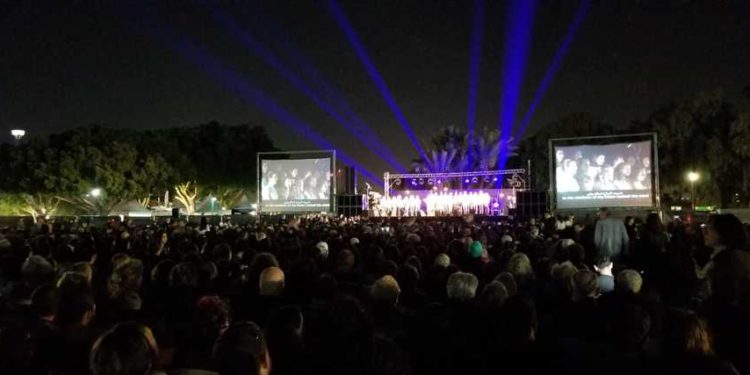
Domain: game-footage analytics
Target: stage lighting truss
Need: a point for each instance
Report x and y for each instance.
(515, 178)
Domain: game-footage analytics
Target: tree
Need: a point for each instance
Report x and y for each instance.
(453, 151)
(39, 205)
(186, 193)
(705, 134)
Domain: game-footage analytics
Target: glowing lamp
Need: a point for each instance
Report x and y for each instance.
(18, 133)
(95, 192)
(693, 176)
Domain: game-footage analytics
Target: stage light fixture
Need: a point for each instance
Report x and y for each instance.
(466, 181)
(496, 205)
(494, 179)
(474, 180)
(397, 182)
(421, 181)
(445, 188)
(430, 181)
(414, 182)
(486, 178)
(440, 182)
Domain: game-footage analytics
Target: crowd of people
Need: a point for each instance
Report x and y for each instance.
(327, 295)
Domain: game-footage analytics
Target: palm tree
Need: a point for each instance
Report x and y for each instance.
(486, 148)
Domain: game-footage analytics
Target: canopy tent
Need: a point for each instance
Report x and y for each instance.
(131, 208)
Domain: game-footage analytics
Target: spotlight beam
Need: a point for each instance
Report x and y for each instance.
(357, 129)
(475, 57)
(236, 83)
(554, 65)
(306, 66)
(351, 35)
(518, 36)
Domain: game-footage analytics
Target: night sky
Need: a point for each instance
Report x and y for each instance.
(64, 64)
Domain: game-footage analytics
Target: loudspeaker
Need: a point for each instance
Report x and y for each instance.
(350, 181)
(175, 213)
(531, 203)
(349, 205)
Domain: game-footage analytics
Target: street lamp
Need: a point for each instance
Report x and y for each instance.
(692, 177)
(18, 134)
(95, 192)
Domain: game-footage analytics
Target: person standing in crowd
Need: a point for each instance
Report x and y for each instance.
(610, 236)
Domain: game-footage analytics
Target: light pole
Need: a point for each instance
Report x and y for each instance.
(692, 177)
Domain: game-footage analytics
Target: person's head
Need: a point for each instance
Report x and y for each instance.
(345, 260)
(462, 286)
(609, 173)
(559, 156)
(322, 249)
(493, 295)
(653, 223)
(126, 277)
(603, 213)
(273, 178)
(76, 306)
(628, 281)
(126, 349)
(576, 253)
(642, 175)
(476, 250)
(85, 269)
(604, 266)
(622, 171)
(36, 271)
(271, 282)
(184, 275)
(725, 230)
(687, 333)
(507, 279)
(44, 302)
(562, 274)
(242, 350)
(584, 285)
(600, 159)
(385, 291)
(519, 266)
(295, 172)
(646, 161)
(212, 316)
(570, 167)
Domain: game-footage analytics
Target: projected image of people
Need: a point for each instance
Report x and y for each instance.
(295, 185)
(622, 169)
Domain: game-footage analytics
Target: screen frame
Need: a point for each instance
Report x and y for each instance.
(296, 155)
(604, 140)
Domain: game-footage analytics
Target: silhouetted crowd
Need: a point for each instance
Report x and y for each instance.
(325, 295)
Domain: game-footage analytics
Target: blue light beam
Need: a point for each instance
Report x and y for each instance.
(518, 35)
(475, 58)
(351, 35)
(554, 66)
(235, 83)
(357, 129)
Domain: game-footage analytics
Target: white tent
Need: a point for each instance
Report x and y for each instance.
(132, 208)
